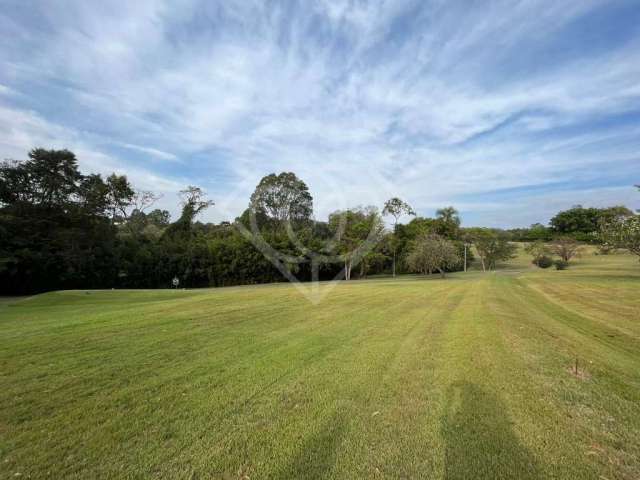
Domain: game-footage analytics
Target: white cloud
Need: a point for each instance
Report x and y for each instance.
(25, 130)
(387, 90)
(151, 151)
(4, 90)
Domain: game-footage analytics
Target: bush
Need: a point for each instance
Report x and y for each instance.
(561, 264)
(544, 261)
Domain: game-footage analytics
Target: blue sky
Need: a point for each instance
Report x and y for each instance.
(508, 110)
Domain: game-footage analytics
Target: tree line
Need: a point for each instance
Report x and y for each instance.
(60, 229)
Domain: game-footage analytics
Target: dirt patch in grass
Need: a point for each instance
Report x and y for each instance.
(579, 372)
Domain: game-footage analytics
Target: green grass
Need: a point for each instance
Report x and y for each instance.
(468, 377)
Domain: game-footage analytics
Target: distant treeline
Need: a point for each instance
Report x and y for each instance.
(578, 222)
(60, 229)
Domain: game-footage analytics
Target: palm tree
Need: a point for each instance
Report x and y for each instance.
(448, 215)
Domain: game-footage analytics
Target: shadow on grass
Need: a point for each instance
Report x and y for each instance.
(480, 442)
(317, 454)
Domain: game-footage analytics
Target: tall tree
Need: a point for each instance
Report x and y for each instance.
(283, 198)
(55, 229)
(448, 222)
(48, 179)
(396, 208)
(193, 201)
(120, 195)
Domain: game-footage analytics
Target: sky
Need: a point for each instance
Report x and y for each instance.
(508, 110)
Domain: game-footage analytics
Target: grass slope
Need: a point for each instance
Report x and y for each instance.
(467, 377)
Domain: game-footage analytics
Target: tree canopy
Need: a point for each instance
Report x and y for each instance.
(431, 253)
(284, 198)
(62, 229)
(357, 232)
(582, 223)
(396, 208)
(621, 231)
(492, 247)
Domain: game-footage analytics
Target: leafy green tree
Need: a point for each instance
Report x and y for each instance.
(575, 220)
(375, 259)
(583, 223)
(492, 247)
(55, 232)
(93, 194)
(282, 198)
(396, 208)
(119, 197)
(159, 218)
(415, 228)
(357, 231)
(48, 179)
(431, 253)
(407, 233)
(612, 214)
(447, 222)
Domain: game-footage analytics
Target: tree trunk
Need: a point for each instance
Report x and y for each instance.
(441, 272)
(482, 260)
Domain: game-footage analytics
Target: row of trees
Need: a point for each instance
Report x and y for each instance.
(60, 229)
(580, 223)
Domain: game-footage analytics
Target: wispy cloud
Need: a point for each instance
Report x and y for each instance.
(150, 151)
(434, 100)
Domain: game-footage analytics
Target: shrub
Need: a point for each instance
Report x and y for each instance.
(537, 250)
(544, 261)
(561, 264)
(566, 248)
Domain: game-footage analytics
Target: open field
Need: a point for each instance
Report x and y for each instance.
(468, 377)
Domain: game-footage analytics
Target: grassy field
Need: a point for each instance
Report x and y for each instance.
(467, 377)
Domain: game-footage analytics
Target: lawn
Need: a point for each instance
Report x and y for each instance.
(467, 377)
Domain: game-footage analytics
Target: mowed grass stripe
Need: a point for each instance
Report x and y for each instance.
(590, 414)
(406, 378)
(614, 303)
(339, 386)
(171, 398)
(478, 429)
